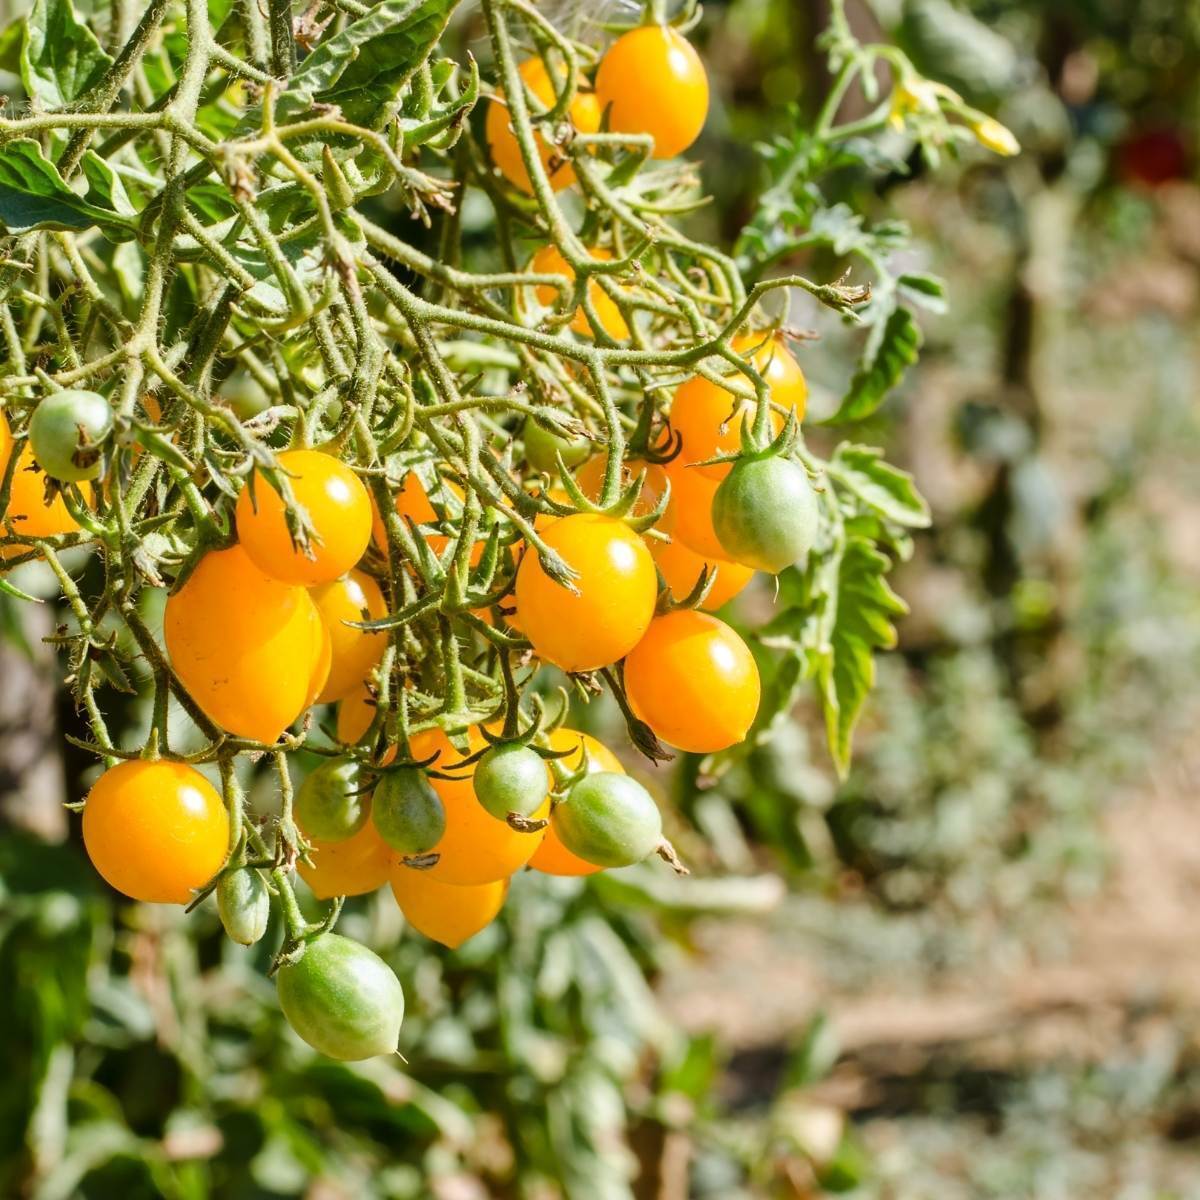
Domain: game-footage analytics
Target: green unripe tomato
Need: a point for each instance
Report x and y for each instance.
(329, 804)
(408, 813)
(342, 999)
(541, 445)
(608, 819)
(765, 513)
(65, 433)
(244, 905)
(511, 779)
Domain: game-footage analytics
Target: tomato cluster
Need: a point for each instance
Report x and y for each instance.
(421, 595)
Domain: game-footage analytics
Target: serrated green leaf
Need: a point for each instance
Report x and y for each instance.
(363, 68)
(60, 56)
(887, 490)
(896, 351)
(859, 621)
(33, 195)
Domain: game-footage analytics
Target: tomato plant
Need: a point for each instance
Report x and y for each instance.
(67, 431)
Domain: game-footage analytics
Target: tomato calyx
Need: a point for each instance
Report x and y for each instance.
(621, 502)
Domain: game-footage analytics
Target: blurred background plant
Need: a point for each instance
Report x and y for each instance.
(962, 970)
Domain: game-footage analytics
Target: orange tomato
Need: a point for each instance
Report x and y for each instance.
(476, 847)
(354, 652)
(444, 912)
(248, 648)
(689, 512)
(709, 420)
(548, 261)
(617, 590)
(681, 568)
(27, 512)
(590, 478)
(652, 81)
(352, 867)
(338, 508)
(505, 150)
(155, 830)
(412, 501)
(552, 857)
(693, 681)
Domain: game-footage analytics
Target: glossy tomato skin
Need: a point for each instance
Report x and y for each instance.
(331, 804)
(511, 779)
(244, 905)
(690, 511)
(248, 648)
(681, 568)
(155, 830)
(445, 912)
(342, 999)
(353, 652)
(65, 433)
(338, 507)
(617, 590)
(608, 819)
(502, 142)
(552, 857)
(407, 812)
(27, 511)
(704, 416)
(354, 716)
(353, 866)
(548, 261)
(693, 681)
(765, 514)
(651, 80)
(476, 848)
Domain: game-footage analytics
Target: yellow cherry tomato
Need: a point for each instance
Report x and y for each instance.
(552, 857)
(709, 420)
(338, 508)
(27, 512)
(352, 867)
(590, 478)
(689, 511)
(248, 648)
(476, 847)
(608, 613)
(355, 714)
(354, 652)
(651, 80)
(693, 681)
(155, 830)
(681, 569)
(505, 150)
(445, 912)
(548, 261)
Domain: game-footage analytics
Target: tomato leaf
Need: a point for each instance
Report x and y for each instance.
(33, 195)
(878, 485)
(896, 350)
(363, 68)
(60, 56)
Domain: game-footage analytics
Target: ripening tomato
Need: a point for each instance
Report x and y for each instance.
(511, 778)
(476, 848)
(350, 867)
(412, 502)
(244, 905)
(609, 819)
(765, 513)
(66, 432)
(342, 999)
(552, 857)
(339, 510)
(155, 830)
(506, 150)
(681, 569)
(354, 597)
(543, 448)
(248, 648)
(693, 681)
(354, 716)
(445, 912)
(27, 512)
(689, 512)
(616, 592)
(651, 80)
(548, 261)
(590, 478)
(706, 419)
